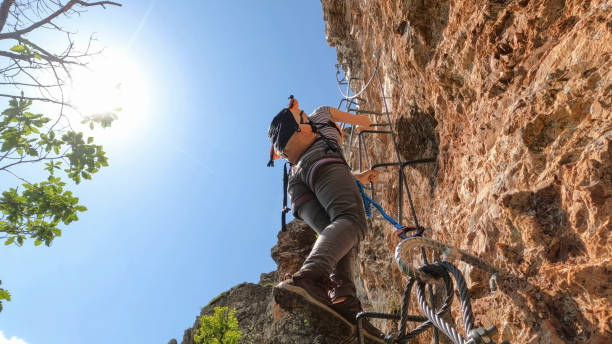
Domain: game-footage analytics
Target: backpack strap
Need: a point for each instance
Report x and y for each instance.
(273, 157)
(285, 209)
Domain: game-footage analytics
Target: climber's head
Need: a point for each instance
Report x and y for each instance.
(290, 133)
(281, 129)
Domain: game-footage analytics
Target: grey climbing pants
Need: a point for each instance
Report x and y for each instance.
(324, 194)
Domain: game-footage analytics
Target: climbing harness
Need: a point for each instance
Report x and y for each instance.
(440, 273)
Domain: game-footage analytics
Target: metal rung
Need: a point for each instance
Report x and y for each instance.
(369, 112)
(405, 163)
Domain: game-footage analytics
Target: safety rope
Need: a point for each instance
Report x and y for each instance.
(368, 202)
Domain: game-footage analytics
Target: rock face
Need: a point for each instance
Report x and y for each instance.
(513, 99)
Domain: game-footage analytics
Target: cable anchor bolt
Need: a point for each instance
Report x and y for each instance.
(482, 335)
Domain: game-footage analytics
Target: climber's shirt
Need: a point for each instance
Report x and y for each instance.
(319, 149)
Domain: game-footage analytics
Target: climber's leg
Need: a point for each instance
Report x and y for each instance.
(332, 244)
(336, 190)
(313, 213)
(342, 278)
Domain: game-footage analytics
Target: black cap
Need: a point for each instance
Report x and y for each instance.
(282, 128)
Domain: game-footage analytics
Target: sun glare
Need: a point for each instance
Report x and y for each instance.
(112, 83)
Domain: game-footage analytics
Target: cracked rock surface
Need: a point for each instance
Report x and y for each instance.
(514, 100)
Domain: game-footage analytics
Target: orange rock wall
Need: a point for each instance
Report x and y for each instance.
(514, 100)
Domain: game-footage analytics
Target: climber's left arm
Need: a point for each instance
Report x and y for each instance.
(366, 177)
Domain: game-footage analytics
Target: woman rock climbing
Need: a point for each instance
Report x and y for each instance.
(324, 194)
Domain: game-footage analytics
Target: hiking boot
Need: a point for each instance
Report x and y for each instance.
(348, 307)
(311, 286)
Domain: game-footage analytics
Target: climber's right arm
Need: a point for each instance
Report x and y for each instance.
(345, 117)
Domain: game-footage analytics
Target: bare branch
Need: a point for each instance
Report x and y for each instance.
(5, 168)
(4, 11)
(48, 56)
(7, 153)
(14, 83)
(18, 177)
(16, 34)
(35, 98)
(61, 113)
(35, 80)
(99, 3)
(16, 56)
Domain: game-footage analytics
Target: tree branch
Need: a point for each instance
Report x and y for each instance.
(4, 11)
(16, 34)
(15, 56)
(35, 98)
(18, 177)
(50, 57)
(5, 168)
(61, 113)
(30, 85)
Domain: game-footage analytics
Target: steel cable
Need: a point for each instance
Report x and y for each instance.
(445, 327)
(450, 253)
(365, 87)
(464, 296)
(436, 271)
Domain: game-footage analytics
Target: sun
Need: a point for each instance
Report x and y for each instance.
(111, 83)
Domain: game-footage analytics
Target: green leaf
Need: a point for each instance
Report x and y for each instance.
(18, 48)
(38, 242)
(5, 295)
(37, 55)
(90, 140)
(9, 241)
(221, 327)
(91, 125)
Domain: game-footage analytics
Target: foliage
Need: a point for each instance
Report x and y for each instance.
(219, 328)
(38, 209)
(4, 295)
(31, 70)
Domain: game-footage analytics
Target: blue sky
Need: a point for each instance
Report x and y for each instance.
(187, 208)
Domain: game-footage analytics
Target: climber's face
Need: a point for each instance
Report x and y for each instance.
(289, 138)
(298, 143)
